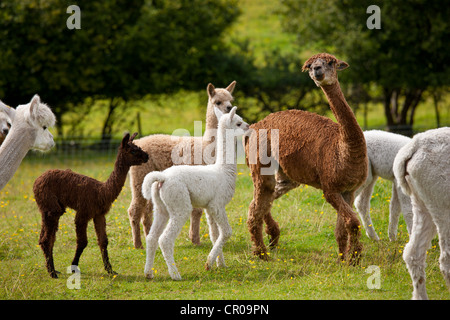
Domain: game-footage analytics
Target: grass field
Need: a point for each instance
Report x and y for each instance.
(304, 266)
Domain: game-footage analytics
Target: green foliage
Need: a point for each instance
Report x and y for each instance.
(124, 49)
(407, 56)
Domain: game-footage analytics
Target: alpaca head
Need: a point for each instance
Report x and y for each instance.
(323, 68)
(38, 117)
(131, 153)
(231, 121)
(6, 119)
(221, 98)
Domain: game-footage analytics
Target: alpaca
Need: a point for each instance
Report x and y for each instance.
(382, 147)
(6, 119)
(178, 189)
(422, 169)
(55, 190)
(161, 149)
(29, 131)
(312, 150)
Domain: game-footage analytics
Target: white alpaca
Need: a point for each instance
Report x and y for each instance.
(29, 131)
(382, 147)
(422, 169)
(178, 189)
(6, 119)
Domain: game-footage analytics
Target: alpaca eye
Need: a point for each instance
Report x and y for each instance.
(308, 66)
(219, 103)
(239, 124)
(330, 63)
(44, 127)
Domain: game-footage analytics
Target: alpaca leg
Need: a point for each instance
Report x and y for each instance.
(440, 218)
(213, 235)
(167, 242)
(82, 241)
(219, 219)
(347, 230)
(194, 230)
(161, 216)
(394, 213)
(260, 206)
(136, 212)
(272, 229)
(47, 240)
(444, 259)
(147, 217)
(406, 208)
(341, 235)
(362, 204)
(102, 240)
(414, 254)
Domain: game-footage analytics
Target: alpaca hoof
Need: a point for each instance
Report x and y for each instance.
(196, 241)
(176, 277)
(262, 254)
(54, 274)
(149, 275)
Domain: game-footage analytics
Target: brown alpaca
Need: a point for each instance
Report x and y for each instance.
(161, 147)
(55, 190)
(316, 151)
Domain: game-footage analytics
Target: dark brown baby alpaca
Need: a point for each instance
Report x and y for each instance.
(55, 190)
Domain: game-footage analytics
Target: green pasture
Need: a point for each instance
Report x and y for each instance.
(304, 266)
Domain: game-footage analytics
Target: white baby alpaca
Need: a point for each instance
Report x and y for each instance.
(422, 169)
(382, 147)
(178, 189)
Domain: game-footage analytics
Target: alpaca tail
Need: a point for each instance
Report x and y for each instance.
(401, 161)
(149, 179)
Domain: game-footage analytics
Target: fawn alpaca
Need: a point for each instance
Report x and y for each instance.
(316, 151)
(55, 190)
(178, 189)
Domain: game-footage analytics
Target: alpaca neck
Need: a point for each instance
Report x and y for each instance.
(13, 150)
(113, 186)
(211, 124)
(226, 152)
(350, 130)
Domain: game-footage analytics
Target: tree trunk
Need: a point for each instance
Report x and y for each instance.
(108, 124)
(401, 120)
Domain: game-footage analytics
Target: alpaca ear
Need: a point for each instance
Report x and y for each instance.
(341, 65)
(231, 86)
(125, 139)
(211, 90)
(232, 113)
(133, 136)
(218, 113)
(34, 106)
(8, 110)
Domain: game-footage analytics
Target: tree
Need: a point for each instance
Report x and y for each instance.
(406, 57)
(124, 50)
